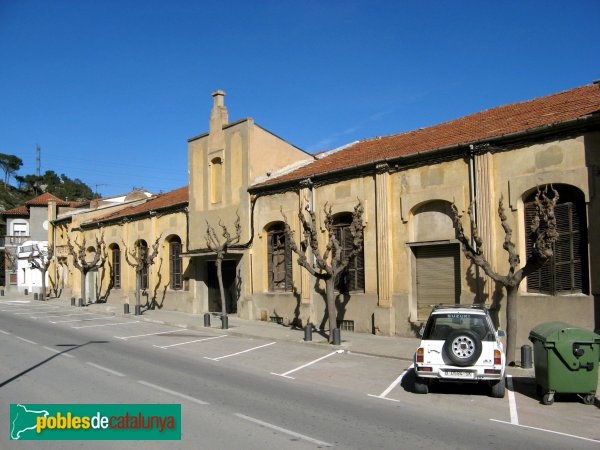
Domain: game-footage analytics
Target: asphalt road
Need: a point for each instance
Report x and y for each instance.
(240, 393)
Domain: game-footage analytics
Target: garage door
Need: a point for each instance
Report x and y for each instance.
(438, 276)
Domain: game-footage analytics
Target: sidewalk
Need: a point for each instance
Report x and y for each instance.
(401, 348)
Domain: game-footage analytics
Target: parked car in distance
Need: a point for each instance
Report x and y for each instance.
(460, 344)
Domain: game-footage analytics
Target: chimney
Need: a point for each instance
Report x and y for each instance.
(218, 116)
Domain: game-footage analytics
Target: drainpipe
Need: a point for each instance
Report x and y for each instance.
(472, 200)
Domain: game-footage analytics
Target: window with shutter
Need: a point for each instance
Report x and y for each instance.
(566, 272)
(116, 267)
(353, 278)
(279, 259)
(176, 263)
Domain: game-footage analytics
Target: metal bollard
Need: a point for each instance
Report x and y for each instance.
(72, 301)
(224, 322)
(126, 308)
(26, 292)
(80, 302)
(308, 332)
(138, 310)
(35, 296)
(206, 319)
(2, 292)
(526, 352)
(337, 340)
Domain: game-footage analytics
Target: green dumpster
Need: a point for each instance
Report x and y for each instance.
(565, 361)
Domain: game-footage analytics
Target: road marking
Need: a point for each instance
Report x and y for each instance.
(144, 335)
(384, 394)
(239, 353)
(285, 375)
(26, 340)
(106, 369)
(82, 320)
(547, 431)
(190, 342)
(175, 393)
(4, 332)
(60, 315)
(512, 404)
(284, 430)
(62, 352)
(16, 301)
(42, 311)
(105, 324)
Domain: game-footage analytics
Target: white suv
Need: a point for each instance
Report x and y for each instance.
(460, 344)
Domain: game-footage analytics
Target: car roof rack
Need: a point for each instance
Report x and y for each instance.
(458, 305)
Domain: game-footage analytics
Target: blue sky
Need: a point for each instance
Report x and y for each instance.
(112, 89)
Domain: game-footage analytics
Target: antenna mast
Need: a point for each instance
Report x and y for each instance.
(38, 159)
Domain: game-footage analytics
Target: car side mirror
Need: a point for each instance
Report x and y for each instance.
(501, 333)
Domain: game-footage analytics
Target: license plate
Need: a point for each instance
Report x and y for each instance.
(459, 374)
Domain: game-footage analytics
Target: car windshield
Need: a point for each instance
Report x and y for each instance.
(440, 326)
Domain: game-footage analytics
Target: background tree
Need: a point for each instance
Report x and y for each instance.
(40, 259)
(80, 258)
(9, 164)
(140, 259)
(214, 243)
(329, 265)
(543, 234)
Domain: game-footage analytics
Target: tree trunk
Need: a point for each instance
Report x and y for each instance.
(83, 273)
(138, 287)
(221, 290)
(331, 308)
(43, 285)
(511, 322)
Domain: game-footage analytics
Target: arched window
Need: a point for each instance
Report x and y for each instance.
(216, 180)
(142, 248)
(353, 278)
(175, 263)
(280, 259)
(567, 271)
(115, 266)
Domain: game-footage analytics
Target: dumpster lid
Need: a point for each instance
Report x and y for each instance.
(554, 331)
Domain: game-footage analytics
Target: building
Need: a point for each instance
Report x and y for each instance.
(406, 182)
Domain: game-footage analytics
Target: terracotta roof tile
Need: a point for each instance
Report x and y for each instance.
(44, 199)
(18, 211)
(154, 203)
(495, 122)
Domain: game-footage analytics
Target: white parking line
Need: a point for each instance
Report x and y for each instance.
(82, 320)
(512, 403)
(285, 375)
(42, 311)
(190, 342)
(105, 369)
(62, 352)
(284, 430)
(547, 431)
(395, 383)
(26, 340)
(175, 393)
(4, 332)
(144, 335)
(105, 324)
(239, 353)
(61, 315)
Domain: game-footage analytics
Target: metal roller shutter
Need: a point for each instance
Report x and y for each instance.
(438, 272)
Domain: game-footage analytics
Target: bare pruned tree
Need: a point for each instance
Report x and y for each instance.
(140, 259)
(543, 234)
(80, 262)
(333, 261)
(40, 259)
(220, 247)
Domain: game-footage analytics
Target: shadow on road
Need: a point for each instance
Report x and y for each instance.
(41, 363)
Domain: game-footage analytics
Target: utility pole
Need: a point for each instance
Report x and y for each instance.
(38, 159)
